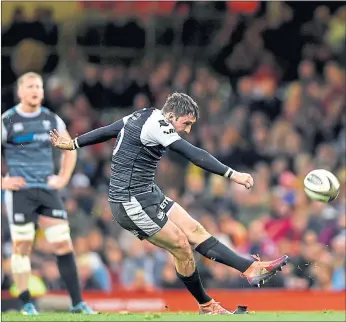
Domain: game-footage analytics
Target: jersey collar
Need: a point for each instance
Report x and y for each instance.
(166, 119)
(25, 114)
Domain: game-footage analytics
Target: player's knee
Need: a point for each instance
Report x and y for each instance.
(63, 248)
(182, 248)
(59, 235)
(196, 234)
(20, 263)
(22, 237)
(22, 247)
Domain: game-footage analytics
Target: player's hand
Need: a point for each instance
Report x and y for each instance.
(244, 179)
(12, 183)
(60, 141)
(57, 182)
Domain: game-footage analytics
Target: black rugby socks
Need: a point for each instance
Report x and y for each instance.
(194, 284)
(68, 272)
(25, 297)
(216, 251)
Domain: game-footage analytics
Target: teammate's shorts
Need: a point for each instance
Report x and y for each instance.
(145, 214)
(26, 205)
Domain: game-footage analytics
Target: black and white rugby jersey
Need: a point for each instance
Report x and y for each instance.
(139, 148)
(142, 138)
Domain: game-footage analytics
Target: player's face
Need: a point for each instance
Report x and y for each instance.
(30, 91)
(183, 123)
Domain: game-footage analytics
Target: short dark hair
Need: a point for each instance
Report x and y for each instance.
(181, 104)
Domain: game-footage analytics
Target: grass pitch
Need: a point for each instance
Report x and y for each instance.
(262, 316)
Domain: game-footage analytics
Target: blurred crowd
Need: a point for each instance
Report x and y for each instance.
(260, 113)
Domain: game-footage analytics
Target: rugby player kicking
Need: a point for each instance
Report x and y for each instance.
(139, 206)
(31, 190)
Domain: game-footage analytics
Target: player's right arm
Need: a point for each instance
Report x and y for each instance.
(12, 183)
(9, 183)
(206, 161)
(99, 135)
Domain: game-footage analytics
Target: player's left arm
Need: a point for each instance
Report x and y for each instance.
(68, 161)
(99, 135)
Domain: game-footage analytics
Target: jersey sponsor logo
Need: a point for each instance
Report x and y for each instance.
(18, 127)
(42, 137)
(30, 137)
(164, 204)
(46, 124)
(170, 131)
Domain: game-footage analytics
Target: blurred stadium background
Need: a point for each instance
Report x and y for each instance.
(270, 81)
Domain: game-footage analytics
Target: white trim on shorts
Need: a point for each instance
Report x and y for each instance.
(9, 205)
(140, 218)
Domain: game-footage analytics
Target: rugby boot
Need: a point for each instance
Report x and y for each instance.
(83, 308)
(29, 309)
(260, 272)
(212, 308)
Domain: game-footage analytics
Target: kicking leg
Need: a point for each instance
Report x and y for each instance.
(152, 223)
(255, 271)
(171, 238)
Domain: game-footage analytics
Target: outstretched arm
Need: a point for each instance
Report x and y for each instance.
(99, 135)
(206, 161)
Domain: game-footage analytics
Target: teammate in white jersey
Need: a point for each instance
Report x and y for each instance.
(139, 206)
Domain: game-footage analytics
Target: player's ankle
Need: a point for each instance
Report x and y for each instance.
(25, 297)
(251, 269)
(207, 303)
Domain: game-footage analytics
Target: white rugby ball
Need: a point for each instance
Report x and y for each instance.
(321, 185)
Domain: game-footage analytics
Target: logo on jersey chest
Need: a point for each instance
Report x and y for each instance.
(18, 127)
(30, 137)
(46, 124)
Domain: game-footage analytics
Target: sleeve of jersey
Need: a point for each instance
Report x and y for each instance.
(99, 135)
(163, 133)
(199, 157)
(61, 126)
(3, 132)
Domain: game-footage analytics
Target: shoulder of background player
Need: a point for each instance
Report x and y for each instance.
(8, 113)
(46, 110)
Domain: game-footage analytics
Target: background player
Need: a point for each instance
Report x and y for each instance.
(139, 206)
(31, 194)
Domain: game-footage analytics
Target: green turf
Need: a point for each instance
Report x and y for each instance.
(279, 316)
